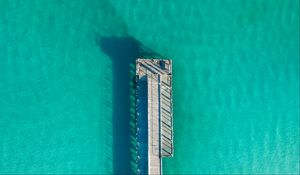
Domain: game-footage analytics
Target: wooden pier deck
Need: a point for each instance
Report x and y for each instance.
(154, 114)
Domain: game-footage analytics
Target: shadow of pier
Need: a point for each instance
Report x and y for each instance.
(123, 52)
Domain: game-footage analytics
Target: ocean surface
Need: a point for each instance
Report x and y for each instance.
(67, 90)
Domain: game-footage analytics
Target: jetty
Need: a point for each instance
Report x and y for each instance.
(154, 109)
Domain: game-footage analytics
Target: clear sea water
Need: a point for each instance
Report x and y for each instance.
(67, 97)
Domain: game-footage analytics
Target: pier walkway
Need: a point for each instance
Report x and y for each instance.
(154, 114)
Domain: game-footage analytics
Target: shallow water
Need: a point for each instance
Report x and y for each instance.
(67, 98)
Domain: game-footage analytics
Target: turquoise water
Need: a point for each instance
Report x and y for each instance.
(66, 96)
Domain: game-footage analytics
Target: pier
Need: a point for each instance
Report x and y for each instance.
(154, 114)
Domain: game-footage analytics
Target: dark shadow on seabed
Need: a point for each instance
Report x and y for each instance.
(123, 52)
